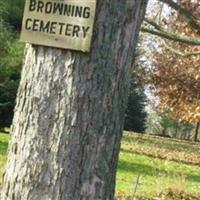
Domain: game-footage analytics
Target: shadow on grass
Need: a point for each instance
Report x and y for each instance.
(163, 143)
(174, 159)
(3, 148)
(139, 168)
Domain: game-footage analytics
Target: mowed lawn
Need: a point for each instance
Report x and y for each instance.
(152, 158)
(160, 164)
(3, 152)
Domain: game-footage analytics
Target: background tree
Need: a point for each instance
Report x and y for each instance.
(70, 110)
(135, 116)
(175, 75)
(11, 52)
(159, 123)
(12, 13)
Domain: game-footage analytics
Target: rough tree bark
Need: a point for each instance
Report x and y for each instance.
(70, 111)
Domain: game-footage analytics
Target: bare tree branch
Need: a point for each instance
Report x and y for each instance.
(177, 52)
(152, 23)
(172, 36)
(184, 12)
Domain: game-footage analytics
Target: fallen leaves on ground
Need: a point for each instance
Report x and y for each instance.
(171, 194)
(172, 150)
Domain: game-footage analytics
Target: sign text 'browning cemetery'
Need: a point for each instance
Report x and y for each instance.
(59, 23)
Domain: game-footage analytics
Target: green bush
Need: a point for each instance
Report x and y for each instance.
(11, 52)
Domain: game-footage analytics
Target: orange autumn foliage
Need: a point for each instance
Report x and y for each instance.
(175, 75)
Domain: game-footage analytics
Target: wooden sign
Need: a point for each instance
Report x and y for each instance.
(59, 23)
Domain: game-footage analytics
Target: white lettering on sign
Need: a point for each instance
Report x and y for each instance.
(59, 23)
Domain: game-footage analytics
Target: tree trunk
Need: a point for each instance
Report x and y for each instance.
(196, 132)
(69, 114)
(176, 130)
(164, 132)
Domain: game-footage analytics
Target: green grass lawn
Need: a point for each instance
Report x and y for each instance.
(3, 150)
(156, 175)
(160, 147)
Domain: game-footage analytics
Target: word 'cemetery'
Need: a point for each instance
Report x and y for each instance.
(56, 28)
